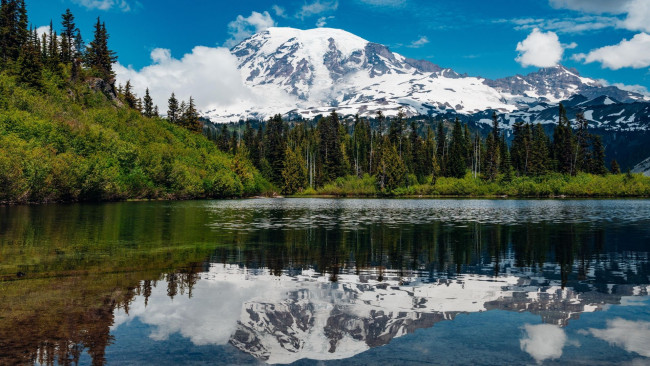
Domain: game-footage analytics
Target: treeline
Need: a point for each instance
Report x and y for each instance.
(305, 155)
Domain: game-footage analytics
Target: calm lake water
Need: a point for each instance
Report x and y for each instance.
(320, 281)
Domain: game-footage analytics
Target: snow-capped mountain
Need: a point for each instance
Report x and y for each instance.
(310, 72)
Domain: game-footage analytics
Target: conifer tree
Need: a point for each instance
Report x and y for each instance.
(563, 144)
(68, 36)
(172, 109)
(275, 148)
(615, 168)
(130, 98)
(441, 142)
(492, 158)
(147, 104)
(30, 63)
(539, 154)
(294, 173)
(392, 172)
(456, 164)
(99, 57)
(598, 161)
(191, 119)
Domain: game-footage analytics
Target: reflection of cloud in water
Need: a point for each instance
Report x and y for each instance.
(633, 336)
(543, 341)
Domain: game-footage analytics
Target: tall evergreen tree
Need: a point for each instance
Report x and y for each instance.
(456, 164)
(147, 104)
(275, 148)
(540, 154)
(598, 161)
(172, 109)
(294, 172)
(30, 63)
(68, 36)
(563, 144)
(331, 153)
(99, 57)
(191, 119)
(493, 156)
(130, 98)
(615, 168)
(392, 172)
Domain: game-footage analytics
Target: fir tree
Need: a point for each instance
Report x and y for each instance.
(456, 164)
(130, 98)
(191, 119)
(275, 148)
(294, 173)
(30, 63)
(563, 144)
(172, 109)
(598, 161)
(615, 168)
(392, 172)
(99, 57)
(68, 36)
(539, 154)
(492, 158)
(147, 104)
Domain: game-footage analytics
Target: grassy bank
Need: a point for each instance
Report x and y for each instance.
(552, 185)
(72, 143)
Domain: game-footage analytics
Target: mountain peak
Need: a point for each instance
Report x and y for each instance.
(312, 71)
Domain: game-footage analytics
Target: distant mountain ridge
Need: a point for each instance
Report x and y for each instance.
(310, 72)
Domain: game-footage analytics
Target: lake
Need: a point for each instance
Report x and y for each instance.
(326, 281)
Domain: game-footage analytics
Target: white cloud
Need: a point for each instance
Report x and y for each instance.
(322, 21)
(210, 75)
(104, 4)
(279, 11)
(540, 49)
(388, 3)
(579, 24)
(633, 53)
(543, 341)
(633, 336)
(637, 12)
(419, 42)
(244, 27)
(317, 7)
(628, 301)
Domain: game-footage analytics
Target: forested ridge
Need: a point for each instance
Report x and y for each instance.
(356, 156)
(68, 134)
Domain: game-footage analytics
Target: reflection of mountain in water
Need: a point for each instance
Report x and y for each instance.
(305, 316)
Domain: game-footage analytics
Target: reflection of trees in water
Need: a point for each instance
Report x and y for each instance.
(435, 249)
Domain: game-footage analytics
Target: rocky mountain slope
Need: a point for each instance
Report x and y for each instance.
(310, 72)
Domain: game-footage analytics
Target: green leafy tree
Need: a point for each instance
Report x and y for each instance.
(392, 172)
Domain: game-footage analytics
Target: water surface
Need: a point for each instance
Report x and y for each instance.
(311, 281)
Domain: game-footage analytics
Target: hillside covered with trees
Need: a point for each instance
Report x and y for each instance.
(68, 134)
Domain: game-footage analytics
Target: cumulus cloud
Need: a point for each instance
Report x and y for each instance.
(633, 336)
(244, 27)
(419, 42)
(122, 5)
(210, 75)
(316, 8)
(634, 53)
(543, 341)
(279, 11)
(540, 49)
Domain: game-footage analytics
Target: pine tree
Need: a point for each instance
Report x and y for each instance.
(147, 104)
(598, 161)
(456, 164)
(331, 153)
(441, 145)
(539, 154)
(564, 144)
(294, 173)
(99, 57)
(275, 148)
(172, 109)
(493, 156)
(615, 168)
(392, 172)
(129, 98)
(67, 36)
(30, 63)
(191, 119)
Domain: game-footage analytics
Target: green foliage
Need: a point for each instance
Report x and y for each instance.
(55, 149)
(294, 174)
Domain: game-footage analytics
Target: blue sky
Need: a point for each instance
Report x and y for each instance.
(477, 37)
